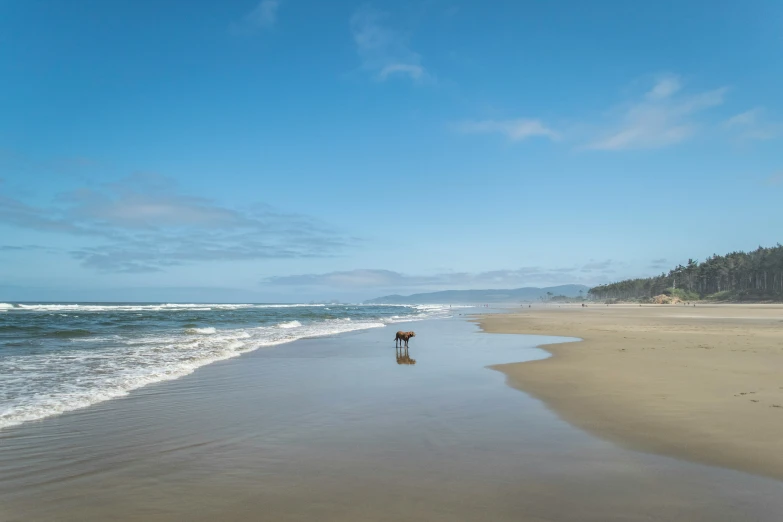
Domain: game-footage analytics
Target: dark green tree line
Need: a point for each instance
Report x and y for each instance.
(738, 275)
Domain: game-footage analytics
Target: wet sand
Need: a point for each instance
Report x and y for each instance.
(702, 383)
(336, 429)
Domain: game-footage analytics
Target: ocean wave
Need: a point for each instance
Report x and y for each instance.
(111, 338)
(290, 324)
(166, 307)
(68, 334)
(12, 328)
(439, 307)
(39, 386)
(203, 331)
(98, 358)
(422, 305)
(289, 305)
(406, 318)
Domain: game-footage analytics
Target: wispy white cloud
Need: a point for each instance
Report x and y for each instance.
(263, 16)
(663, 117)
(385, 52)
(514, 130)
(664, 87)
(753, 125)
(389, 279)
(659, 263)
(598, 266)
(27, 248)
(775, 179)
(145, 223)
(743, 119)
(414, 71)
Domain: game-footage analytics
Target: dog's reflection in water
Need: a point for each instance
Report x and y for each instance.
(403, 357)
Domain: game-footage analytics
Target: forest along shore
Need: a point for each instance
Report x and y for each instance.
(699, 383)
(739, 277)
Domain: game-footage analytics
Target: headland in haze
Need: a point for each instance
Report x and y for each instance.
(526, 294)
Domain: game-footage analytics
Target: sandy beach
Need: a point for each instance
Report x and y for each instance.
(343, 428)
(700, 383)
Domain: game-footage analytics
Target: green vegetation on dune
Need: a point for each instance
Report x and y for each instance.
(739, 276)
(682, 294)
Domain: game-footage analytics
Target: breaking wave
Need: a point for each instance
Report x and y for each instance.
(58, 362)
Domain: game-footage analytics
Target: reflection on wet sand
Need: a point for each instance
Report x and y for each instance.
(403, 357)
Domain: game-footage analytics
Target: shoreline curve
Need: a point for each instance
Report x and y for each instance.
(693, 384)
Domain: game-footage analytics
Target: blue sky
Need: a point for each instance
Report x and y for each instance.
(290, 149)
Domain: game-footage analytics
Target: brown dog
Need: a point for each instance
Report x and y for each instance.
(403, 336)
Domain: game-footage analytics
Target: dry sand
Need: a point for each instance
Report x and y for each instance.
(701, 383)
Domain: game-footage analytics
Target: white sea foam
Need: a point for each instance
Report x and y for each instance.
(113, 338)
(96, 369)
(204, 331)
(168, 307)
(442, 308)
(37, 386)
(290, 324)
(439, 307)
(429, 311)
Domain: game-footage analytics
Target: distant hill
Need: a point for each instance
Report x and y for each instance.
(516, 295)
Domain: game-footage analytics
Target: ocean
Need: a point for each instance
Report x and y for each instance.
(57, 357)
